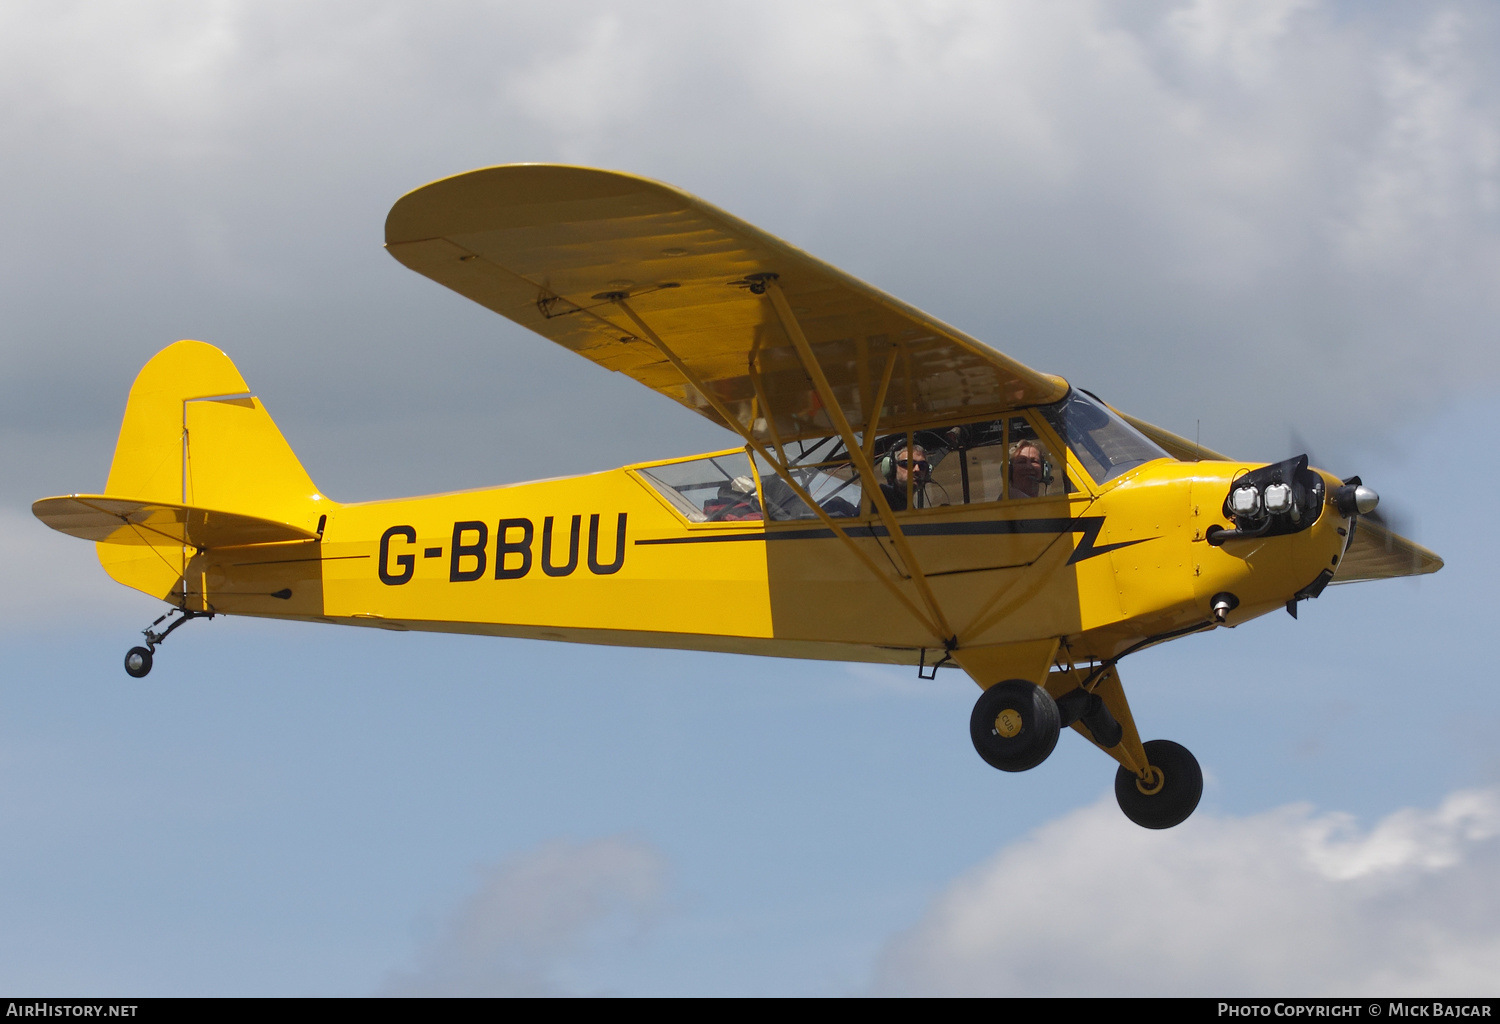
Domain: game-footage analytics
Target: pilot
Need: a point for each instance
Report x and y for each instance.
(735, 502)
(900, 466)
(1028, 469)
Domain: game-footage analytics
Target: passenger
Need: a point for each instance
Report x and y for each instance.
(900, 466)
(839, 507)
(735, 502)
(1028, 469)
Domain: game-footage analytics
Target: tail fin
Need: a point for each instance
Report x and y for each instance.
(194, 435)
(194, 439)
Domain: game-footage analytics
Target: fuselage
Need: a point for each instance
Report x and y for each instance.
(607, 558)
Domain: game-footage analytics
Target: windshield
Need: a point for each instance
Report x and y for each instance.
(1105, 444)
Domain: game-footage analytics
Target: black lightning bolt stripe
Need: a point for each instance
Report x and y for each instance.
(1088, 526)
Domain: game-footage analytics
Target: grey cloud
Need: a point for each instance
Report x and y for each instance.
(535, 915)
(1250, 214)
(1287, 902)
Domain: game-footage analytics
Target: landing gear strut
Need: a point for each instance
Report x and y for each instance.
(138, 659)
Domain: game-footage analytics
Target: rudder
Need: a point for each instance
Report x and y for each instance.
(193, 434)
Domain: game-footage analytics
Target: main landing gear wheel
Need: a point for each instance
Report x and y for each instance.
(138, 662)
(1014, 725)
(1170, 792)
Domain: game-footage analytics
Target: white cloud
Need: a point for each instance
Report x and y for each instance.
(535, 915)
(1286, 902)
(1431, 166)
(575, 93)
(1240, 36)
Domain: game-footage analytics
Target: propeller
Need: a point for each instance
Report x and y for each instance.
(1380, 532)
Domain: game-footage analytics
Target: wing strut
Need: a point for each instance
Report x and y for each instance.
(871, 428)
(857, 452)
(938, 628)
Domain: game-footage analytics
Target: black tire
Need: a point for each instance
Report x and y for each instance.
(1026, 735)
(138, 662)
(1179, 792)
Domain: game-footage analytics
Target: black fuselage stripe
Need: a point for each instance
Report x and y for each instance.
(724, 538)
(289, 561)
(995, 527)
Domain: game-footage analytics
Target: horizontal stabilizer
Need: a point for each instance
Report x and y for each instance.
(110, 520)
(1377, 552)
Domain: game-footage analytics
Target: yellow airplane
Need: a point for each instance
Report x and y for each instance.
(900, 493)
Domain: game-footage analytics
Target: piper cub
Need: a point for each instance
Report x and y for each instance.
(899, 492)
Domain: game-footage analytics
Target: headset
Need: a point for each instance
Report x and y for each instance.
(887, 468)
(1045, 479)
(887, 465)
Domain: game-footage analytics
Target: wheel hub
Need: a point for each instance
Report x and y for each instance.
(1151, 782)
(1008, 723)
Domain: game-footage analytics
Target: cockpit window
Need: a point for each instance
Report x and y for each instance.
(718, 489)
(975, 463)
(1105, 444)
(968, 464)
(822, 468)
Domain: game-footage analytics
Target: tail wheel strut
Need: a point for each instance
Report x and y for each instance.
(138, 659)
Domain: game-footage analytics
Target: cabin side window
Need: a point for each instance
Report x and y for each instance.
(823, 469)
(718, 489)
(970, 464)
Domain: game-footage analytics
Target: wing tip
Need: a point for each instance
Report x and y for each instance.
(420, 213)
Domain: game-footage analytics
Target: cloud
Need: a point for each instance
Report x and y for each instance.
(1284, 902)
(1306, 190)
(536, 914)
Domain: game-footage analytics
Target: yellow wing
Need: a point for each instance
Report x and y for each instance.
(553, 247)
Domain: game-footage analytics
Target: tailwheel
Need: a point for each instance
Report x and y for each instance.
(1170, 791)
(138, 662)
(138, 659)
(1014, 725)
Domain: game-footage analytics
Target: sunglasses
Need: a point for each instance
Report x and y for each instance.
(919, 464)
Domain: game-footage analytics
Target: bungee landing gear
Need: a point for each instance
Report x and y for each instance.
(138, 659)
(1015, 725)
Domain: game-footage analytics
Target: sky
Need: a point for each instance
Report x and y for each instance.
(1274, 225)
